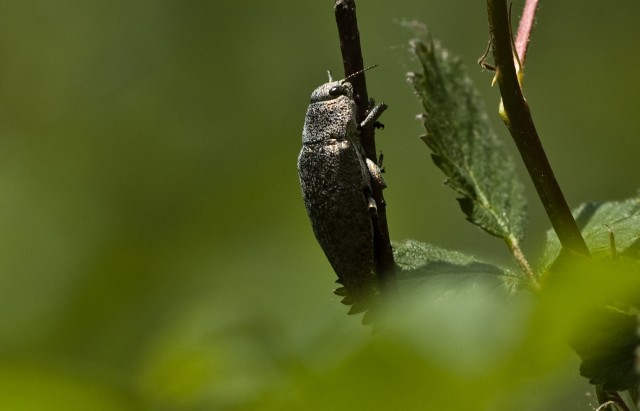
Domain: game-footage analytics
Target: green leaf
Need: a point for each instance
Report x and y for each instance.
(607, 344)
(421, 261)
(598, 221)
(603, 292)
(464, 145)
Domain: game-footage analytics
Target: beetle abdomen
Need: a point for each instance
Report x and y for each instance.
(337, 206)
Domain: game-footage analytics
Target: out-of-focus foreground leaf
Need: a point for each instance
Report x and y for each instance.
(607, 345)
(602, 298)
(452, 326)
(463, 144)
(605, 290)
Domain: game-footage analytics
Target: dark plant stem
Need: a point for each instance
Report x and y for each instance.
(517, 117)
(345, 12)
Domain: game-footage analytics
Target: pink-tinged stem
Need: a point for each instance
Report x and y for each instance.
(525, 28)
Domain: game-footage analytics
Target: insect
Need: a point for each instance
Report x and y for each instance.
(336, 180)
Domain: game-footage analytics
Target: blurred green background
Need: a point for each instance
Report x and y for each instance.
(155, 253)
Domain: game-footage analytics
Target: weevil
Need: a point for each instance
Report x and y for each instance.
(336, 179)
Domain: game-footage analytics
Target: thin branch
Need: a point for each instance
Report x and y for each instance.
(345, 12)
(517, 117)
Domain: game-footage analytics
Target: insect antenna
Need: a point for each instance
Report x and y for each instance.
(359, 72)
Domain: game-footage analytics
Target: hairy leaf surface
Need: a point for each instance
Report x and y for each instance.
(421, 261)
(598, 222)
(464, 145)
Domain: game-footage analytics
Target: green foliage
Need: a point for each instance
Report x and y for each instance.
(464, 145)
(606, 343)
(605, 288)
(156, 255)
(428, 262)
(598, 298)
(598, 222)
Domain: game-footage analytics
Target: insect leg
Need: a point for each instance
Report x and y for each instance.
(376, 173)
(373, 115)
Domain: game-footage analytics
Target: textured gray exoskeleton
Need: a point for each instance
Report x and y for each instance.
(336, 180)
